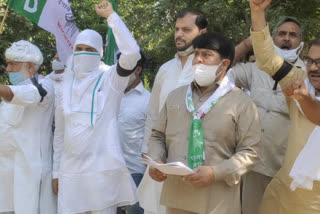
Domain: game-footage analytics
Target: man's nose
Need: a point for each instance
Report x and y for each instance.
(287, 37)
(8, 68)
(179, 33)
(198, 59)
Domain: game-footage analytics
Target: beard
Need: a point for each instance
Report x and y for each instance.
(184, 47)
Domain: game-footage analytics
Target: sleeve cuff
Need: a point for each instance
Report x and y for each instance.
(221, 174)
(260, 35)
(55, 175)
(112, 19)
(24, 94)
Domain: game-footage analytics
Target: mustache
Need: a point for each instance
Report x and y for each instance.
(316, 73)
(286, 45)
(180, 40)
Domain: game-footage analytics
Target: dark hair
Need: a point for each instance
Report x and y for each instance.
(141, 62)
(201, 20)
(285, 20)
(250, 53)
(316, 42)
(217, 42)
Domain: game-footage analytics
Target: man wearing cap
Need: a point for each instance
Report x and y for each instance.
(26, 113)
(88, 162)
(56, 76)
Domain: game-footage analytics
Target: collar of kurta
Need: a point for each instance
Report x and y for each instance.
(190, 57)
(139, 88)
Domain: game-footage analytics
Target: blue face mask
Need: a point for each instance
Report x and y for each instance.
(15, 77)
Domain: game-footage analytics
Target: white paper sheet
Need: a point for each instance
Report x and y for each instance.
(173, 168)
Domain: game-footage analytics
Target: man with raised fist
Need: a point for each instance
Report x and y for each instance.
(88, 161)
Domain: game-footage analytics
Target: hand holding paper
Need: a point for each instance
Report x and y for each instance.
(174, 168)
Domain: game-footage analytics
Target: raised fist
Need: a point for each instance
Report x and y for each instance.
(259, 5)
(296, 90)
(104, 9)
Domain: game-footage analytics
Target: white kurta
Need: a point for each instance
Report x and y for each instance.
(170, 76)
(87, 154)
(26, 150)
(57, 81)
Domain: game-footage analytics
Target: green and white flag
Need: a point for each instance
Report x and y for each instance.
(110, 57)
(54, 16)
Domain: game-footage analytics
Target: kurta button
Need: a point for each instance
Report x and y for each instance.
(185, 157)
(268, 110)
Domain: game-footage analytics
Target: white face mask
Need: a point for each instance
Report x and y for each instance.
(205, 74)
(84, 63)
(186, 52)
(16, 78)
(290, 55)
(57, 65)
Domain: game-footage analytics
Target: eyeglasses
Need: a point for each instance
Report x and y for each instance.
(308, 61)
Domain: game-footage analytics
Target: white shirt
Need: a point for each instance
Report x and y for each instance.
(170, 76)
(26, 150)
(87, 156)
(57, 81)
(131, 120)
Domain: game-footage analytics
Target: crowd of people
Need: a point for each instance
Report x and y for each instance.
(72, 142)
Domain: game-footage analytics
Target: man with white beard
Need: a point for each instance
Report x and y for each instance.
(26, 114)
(88, 161)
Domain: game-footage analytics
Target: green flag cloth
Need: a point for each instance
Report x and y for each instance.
(53, 16)
(111, 47)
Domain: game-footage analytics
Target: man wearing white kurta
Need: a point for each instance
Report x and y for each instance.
(56, 76)
(26, 113)
(93, 177)
(171, 75)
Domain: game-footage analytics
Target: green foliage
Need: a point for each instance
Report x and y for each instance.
(152, 24)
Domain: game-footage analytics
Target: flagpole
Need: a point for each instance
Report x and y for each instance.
(4, 19)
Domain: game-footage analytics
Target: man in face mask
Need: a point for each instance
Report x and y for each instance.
(212, 127)
(57, 76)
(273, 112)
(131, 123)
(88, 165)
(175, 73)
(294, 189)
(26, 114)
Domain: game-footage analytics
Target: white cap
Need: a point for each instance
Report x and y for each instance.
(91, 38)
(24, 51)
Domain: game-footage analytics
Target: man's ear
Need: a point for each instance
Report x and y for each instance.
(203, 31)
(31, 68)
(225, 64)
